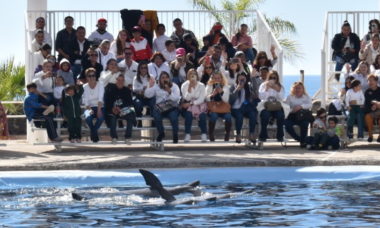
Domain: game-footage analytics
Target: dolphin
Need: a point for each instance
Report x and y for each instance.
(156, 185)
(154, 191)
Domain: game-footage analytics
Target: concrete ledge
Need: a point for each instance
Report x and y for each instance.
(18, 155)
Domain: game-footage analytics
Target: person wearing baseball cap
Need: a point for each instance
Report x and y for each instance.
(180, 66)
(140, 46)
(101, 33)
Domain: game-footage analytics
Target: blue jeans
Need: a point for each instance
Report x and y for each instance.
(172, 115)
(289, 123)
(249, 54)
(130, 118)
(94, 127)
(356, 115)
(265, 117)
(76, 69)
(140, 102)
(189, 120)
(214, 117)
(340, 63)
(246, 110)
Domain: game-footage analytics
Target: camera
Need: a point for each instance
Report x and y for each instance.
(217, 85)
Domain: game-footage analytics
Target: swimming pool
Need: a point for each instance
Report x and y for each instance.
(291, 196)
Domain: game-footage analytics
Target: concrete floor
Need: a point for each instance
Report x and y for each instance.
(18, 155)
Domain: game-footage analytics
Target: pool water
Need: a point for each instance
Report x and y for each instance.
(296, 197)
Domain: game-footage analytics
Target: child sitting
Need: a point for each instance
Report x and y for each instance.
(170, 51)
(355, 104)
(65, 72)
(72, 111)
(58, 88)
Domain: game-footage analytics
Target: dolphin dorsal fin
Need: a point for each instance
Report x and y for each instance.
(155, 184)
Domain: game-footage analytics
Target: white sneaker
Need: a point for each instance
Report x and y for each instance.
(128, 141)
(187, 138)
(204, 137)
(114, 140)
(48, 110)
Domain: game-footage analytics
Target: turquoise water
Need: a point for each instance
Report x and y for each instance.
(312, 83)
(291, 197)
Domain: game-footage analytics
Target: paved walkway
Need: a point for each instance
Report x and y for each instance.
(18, 155)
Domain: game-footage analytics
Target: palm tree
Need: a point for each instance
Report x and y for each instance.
(282, 29)
(12, 78)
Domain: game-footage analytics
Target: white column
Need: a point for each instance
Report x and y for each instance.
(30, 20)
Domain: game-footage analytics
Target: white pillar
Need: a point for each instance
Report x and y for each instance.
(40, 8)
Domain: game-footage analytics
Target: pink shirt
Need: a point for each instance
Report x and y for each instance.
(243, 39)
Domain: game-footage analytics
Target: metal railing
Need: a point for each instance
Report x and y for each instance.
(200, 22)
(333, 22)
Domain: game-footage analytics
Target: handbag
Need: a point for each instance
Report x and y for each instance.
(196, 110)
(304, 115)
(218, 107)
(272, 105)
(166, 106)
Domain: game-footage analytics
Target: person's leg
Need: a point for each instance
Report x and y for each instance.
(350, 123)
(98, 123)
(334, 142)
(264, 118)
(280, 116)
(52, 133)
(249, 54)
(354, 63)
(76, 69)
(251, 114)
(360, 120)
(71, 122)
(130, 118)
(238, 115)
(90, 124)
(211, 125)
(369, 124)
(289, 127)
(227, 125)
(113, 125)
(188, 121)
(339, 65)
(173, 117)
(202, 123)
(138, 104)
(78, 128)
(304, 125)
(158, 122)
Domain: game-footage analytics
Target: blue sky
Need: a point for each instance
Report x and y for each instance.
(308, 17)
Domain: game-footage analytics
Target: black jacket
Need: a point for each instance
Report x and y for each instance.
(71, 104)
(339, 41)
(112, 93)
(77, 54)
(65, 41)
(87, 64)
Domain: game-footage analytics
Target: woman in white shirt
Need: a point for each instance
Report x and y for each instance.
(158, 65)
(193, 104)
(167, 97)
(355, 104)
(118, 45)
(234, 68)
(271, 91)
(140, 84)
(104, 53)
(298, 101)
(369, 52)
(217, 89)
(110, 74)
(93, 100)
(361, 73)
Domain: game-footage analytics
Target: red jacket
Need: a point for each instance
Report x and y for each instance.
(141, 50)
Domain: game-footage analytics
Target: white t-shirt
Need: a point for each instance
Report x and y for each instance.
(91, 97)
(139, 86)
(58, 92)
(103, 59)
(169, 56)
(156, 71)
(47, 37)
(113, 47)
(159, 43)
(129, 72)
(43, 85)
(97, 38)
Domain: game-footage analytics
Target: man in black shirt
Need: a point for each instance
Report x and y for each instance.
(119, 105)
(64, 43)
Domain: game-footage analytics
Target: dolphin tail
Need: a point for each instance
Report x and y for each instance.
(194, 183)
(155, 184)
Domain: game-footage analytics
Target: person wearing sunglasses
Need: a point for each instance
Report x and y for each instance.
(91, 61)
(373, 28)
(271, 94)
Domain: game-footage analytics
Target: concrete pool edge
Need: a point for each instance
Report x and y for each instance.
(21, 156)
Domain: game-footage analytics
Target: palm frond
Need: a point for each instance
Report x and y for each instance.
(280, 26)
(292, 50)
